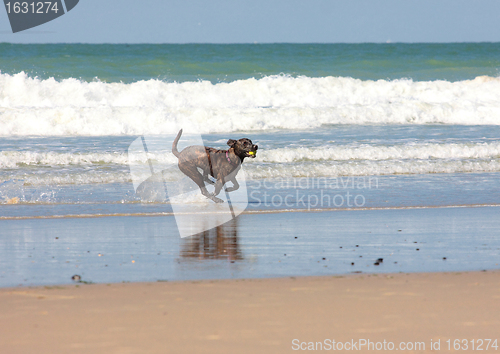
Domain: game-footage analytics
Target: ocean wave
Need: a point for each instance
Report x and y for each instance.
(409, 151)
(420, 151)
(273, 171)
(371, 168)
(51, 168)
(71, 107)
(15, 159)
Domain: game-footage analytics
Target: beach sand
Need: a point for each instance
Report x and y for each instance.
(252, 315)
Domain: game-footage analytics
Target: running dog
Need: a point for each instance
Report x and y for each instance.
(223, 165)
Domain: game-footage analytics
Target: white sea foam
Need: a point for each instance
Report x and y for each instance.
(69, 178)
(31, 106)
(416, 151)
(13, 159)
(410, 151)
(371, 168)
(48, 168)
(280, 170)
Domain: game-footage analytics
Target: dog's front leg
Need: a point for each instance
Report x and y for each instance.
(213, 195)
(218, 186)
(235, 186)
(206, 178)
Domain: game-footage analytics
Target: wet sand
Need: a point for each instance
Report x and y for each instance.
(252, 315)
(37, 252)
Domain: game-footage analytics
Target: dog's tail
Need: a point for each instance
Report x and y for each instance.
(174, 144)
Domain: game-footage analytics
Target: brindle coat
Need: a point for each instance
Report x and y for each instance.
(223, 165)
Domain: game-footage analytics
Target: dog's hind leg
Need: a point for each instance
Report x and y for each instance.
(197, 178)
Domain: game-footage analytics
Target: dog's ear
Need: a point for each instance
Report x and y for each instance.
(231, 142)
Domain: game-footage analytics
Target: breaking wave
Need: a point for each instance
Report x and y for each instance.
(71, 107)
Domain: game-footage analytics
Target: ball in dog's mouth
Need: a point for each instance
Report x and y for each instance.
(251, 154)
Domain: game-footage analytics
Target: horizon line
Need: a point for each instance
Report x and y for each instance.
(246, 43)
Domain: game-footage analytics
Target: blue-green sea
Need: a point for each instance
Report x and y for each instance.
(339, 127)
(226, 63)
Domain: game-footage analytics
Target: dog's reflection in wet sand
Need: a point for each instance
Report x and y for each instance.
(220, 242)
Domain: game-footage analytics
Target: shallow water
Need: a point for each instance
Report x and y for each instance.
(389, 165)
(116, 249)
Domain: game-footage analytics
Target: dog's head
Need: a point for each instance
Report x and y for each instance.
(243, 147)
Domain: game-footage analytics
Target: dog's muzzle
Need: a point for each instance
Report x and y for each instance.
(253, 153)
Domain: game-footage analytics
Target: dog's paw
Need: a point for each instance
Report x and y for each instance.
(214, 198)
(231, 189)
